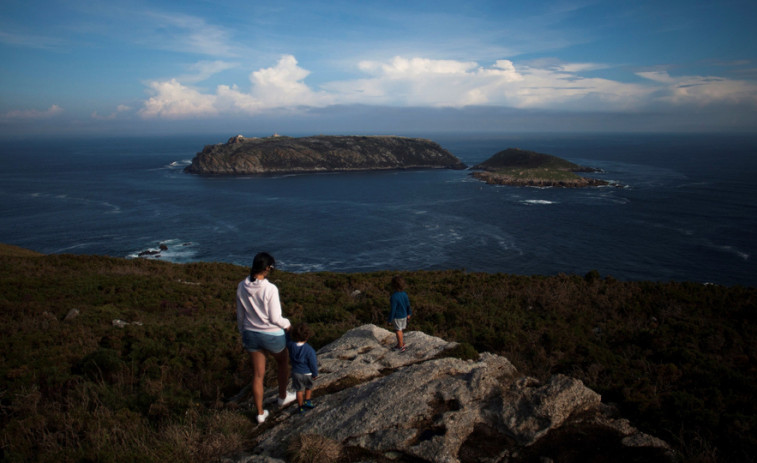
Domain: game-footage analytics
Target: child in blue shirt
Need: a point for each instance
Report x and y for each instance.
(304, 364)
(400, 310)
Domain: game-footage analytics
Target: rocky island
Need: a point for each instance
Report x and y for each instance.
(518, 167)
(283, 155)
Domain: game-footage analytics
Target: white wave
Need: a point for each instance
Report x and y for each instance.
(171, 250)
(113, 208)
(537, 201)
(730, 249)
(179, 164)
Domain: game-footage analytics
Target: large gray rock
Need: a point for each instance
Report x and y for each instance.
(425, 405)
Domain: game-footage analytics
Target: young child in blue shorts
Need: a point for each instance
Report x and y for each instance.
(304, 364)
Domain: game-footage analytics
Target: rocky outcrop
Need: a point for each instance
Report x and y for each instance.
(517, 167)
(499, 178)
(423, 404)
(279, 155)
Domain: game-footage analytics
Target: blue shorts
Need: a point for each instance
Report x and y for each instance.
(254, 341)
(301, 382)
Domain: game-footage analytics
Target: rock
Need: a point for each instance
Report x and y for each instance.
(148, 252)
(277, 155)
(423, 404)
(499, 178)
(73, 313)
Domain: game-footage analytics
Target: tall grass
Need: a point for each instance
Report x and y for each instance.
(677, 358)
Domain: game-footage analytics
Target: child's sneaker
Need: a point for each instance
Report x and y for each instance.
(307, 404)
(303, 410)
(290, 397)
(403, 348)
(262, 418)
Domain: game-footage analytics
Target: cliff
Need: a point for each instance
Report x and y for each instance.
(518, 167)
(279, 155)
(427, 404)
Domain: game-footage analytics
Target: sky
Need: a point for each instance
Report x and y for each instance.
(132, 67)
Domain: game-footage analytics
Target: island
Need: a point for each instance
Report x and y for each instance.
(518, 167)
(323, 153)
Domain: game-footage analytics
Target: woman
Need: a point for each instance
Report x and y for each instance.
(263, 329)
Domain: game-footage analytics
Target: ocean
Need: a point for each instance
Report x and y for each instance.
(684, 208)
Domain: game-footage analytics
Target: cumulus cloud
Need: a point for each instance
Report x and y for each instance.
(423, 82)
(29, 114)
(280, 86)
(173, 100)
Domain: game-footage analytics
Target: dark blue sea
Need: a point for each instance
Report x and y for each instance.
(685, 210)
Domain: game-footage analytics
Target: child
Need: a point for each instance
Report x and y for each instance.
(304, 364)
(400, 310)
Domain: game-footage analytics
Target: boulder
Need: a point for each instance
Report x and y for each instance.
(425, 405)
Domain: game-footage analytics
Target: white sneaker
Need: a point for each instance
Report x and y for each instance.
(291, 397)
(261, 418)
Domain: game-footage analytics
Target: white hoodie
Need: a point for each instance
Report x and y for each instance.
(259, 308)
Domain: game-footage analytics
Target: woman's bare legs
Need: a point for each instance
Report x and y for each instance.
(258, 373)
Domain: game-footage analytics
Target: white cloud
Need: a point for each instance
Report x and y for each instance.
(701, 90)
(173, 100)
(422, 82)
(189, 34)
(28, 114)
(119, 109)
(202, 70)
(276, 87)
(283, 85)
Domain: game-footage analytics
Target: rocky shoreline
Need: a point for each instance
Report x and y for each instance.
(497, 178)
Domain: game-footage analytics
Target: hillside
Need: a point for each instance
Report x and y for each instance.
(112, 359)
(518, 167)
(278, 155)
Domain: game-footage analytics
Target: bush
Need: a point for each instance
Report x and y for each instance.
(313, 448)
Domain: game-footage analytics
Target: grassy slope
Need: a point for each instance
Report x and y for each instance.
(677, 358)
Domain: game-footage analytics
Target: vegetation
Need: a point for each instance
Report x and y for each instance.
(515, 158)
(677, 358)
(518, 167)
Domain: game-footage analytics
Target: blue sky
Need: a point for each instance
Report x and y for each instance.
(85, 67)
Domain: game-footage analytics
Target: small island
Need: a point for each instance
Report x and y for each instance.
(517, 167)
(286, 155)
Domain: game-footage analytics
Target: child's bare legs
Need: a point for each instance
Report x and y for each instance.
(400, 339)
(301, 397)
(308, 394)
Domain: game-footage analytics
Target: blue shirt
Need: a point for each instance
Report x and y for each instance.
(302, 358)
(400, 305)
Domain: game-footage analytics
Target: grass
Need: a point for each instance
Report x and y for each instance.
(540, 173)
(677, 358)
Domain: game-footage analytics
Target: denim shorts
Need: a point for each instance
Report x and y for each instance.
(254, 341)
